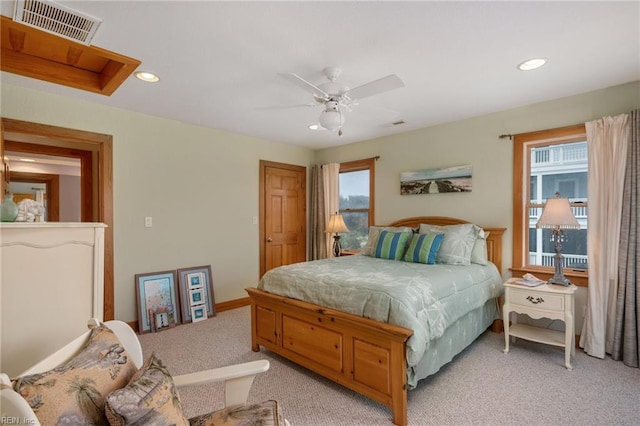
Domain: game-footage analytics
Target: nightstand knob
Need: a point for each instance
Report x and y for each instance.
(536, 300)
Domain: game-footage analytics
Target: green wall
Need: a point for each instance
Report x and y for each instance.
(200, 185)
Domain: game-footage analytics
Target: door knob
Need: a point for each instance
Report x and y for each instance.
(269, 239)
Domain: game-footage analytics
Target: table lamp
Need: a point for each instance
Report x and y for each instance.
(336, 225)
(557, 215)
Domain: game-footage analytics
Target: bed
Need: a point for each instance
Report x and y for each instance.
(366, 345)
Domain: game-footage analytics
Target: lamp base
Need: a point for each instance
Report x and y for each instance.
(559, 281)
(337, 249)
(558, 274)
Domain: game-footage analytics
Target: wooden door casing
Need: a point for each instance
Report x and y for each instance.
(103, 195)
(282, 215)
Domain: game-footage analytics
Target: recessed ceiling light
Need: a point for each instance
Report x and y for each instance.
(532, 64)
(314, 126)
(28, 160)
(147, 76)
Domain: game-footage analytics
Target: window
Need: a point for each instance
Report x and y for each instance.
(546, 163)
(357, 202)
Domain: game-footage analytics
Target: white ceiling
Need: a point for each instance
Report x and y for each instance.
(219, 61)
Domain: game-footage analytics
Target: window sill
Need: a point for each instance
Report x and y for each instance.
(579, 278)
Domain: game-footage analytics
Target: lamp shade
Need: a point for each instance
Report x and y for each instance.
(336, 224)
(331, 118)
(557, 214)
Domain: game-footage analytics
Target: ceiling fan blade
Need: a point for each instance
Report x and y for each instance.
(305, 85)
(381, 85)
(279, 107)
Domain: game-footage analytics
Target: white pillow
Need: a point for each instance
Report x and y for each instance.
(479, 252)
(457, 244)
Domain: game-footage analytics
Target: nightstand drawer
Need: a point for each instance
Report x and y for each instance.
(529, 298)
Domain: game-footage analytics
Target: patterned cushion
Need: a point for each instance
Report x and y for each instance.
(74, 393)
(392, 245)
(150, 398)
(265, 414)
(457, 244)
(423, 248)
(369, 248)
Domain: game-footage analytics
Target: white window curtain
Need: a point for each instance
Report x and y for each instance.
(607, 141)
(331, 176)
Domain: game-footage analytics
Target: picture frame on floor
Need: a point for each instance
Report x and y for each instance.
(198, 313)
(157, 299)
(196, 278)
(197, 297)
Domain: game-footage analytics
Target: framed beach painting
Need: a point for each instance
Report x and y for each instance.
(195, 284)
(157, 297)
(436, 181)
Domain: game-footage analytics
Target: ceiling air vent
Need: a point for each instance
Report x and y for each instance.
(57, 19)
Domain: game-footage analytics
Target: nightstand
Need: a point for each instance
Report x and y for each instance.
(544, 301)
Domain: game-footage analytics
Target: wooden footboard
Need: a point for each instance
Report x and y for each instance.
(361, 354)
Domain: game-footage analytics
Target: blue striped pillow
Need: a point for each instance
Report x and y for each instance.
(391, 245)
(424, 248)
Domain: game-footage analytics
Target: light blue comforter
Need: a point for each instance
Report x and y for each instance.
(424, 298)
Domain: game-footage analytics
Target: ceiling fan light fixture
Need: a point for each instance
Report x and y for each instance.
(337, 98)
(331, 118)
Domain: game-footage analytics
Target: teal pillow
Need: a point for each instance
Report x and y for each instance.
(424, 248)
(392, 245)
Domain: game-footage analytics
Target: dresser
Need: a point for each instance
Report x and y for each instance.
(555, 302)
(52, 282)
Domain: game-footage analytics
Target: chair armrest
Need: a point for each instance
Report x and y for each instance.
(15, 409)
(238, 379)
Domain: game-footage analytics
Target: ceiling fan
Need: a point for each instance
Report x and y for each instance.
(338, 98)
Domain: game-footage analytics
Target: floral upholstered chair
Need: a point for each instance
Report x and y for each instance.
(100, 378)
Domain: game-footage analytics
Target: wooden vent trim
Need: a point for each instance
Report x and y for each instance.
(34, 53)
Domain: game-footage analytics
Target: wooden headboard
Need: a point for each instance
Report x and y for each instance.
(494, 240)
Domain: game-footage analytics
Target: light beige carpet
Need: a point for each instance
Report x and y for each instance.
(482, 386)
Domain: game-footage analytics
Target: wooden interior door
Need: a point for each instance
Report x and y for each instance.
(283, 215)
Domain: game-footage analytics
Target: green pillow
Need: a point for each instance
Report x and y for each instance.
(392, 245)
(424, 248)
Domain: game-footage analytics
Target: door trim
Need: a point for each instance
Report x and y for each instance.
(85, 141)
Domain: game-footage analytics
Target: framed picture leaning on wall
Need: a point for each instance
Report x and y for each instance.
(157, 297)
(196, 285)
